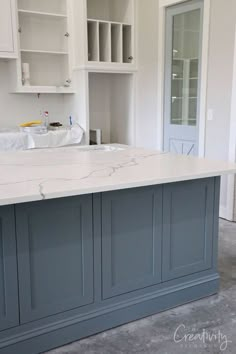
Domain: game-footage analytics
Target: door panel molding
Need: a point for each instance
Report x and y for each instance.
(122, 270)
(188, 230)
(48, 284)
(9, 312)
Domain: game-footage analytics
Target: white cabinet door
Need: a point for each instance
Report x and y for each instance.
(6, 28)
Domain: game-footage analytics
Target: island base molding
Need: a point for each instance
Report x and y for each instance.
(73, 267)
(73, 329)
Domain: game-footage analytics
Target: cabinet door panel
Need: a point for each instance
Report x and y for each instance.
(188, 227)
(55, 245)
(131, 240)
(6, 29)
(8, 270)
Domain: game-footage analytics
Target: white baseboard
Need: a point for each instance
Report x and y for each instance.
(225, 214)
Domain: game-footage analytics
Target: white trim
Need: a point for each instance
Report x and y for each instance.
(160, 77)
(204, 69)
(232, 143)
(204, 77)
(223, 212)
(165, 3)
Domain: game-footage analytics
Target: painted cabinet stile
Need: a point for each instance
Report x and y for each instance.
(8, 270)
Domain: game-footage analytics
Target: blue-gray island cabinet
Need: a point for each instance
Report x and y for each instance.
(72, 267)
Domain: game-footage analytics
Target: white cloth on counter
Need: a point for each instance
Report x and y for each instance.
(16, 140)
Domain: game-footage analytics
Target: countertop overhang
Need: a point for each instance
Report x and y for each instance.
(27, 176)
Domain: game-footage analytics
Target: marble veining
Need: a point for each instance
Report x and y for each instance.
(52, 173)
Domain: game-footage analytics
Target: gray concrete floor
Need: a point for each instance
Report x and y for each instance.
(215, 315)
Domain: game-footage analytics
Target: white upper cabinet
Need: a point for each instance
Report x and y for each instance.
(7, 29)
(45, 46)
(106, 35)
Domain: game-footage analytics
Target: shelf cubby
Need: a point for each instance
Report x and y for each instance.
(116, 43)
(104, 42)
(109, 42)
(46, 69)
(43, 6)
(43, 33)
(93, 41)
(112, 40)
(127, 44)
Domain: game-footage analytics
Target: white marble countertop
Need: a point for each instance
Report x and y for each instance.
(53, 173)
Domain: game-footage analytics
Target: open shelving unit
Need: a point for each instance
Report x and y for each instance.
(106, 63)
(45, 44)
(110, 33)
(111, 65)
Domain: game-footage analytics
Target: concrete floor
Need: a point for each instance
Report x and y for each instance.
(211, 316)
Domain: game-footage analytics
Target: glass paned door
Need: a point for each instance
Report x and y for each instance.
(182, 77)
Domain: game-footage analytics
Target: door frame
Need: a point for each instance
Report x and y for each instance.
(229, 212)
(163, 4)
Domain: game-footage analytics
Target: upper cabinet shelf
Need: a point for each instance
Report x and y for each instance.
(38, 13)
(110, 33)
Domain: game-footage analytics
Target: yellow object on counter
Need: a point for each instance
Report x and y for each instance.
(30, 124)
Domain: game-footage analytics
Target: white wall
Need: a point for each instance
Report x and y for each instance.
(221, 56)
(146, 111)
(18, 108)
(220, 72)
(110, 105)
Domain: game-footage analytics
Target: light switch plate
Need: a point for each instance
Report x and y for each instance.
(210, 114)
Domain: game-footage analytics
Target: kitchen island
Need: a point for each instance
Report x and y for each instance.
(92, 238)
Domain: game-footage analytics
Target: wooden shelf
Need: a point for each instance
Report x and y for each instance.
(38, 13)
(44, 89)
(111, 22)
(43, 52)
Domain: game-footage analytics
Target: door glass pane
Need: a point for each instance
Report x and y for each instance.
(185, 68)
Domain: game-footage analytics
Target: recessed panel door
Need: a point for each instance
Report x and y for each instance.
(188, 218)
(182, 77)
(131, 240)
(6, 28)
(55, 256)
